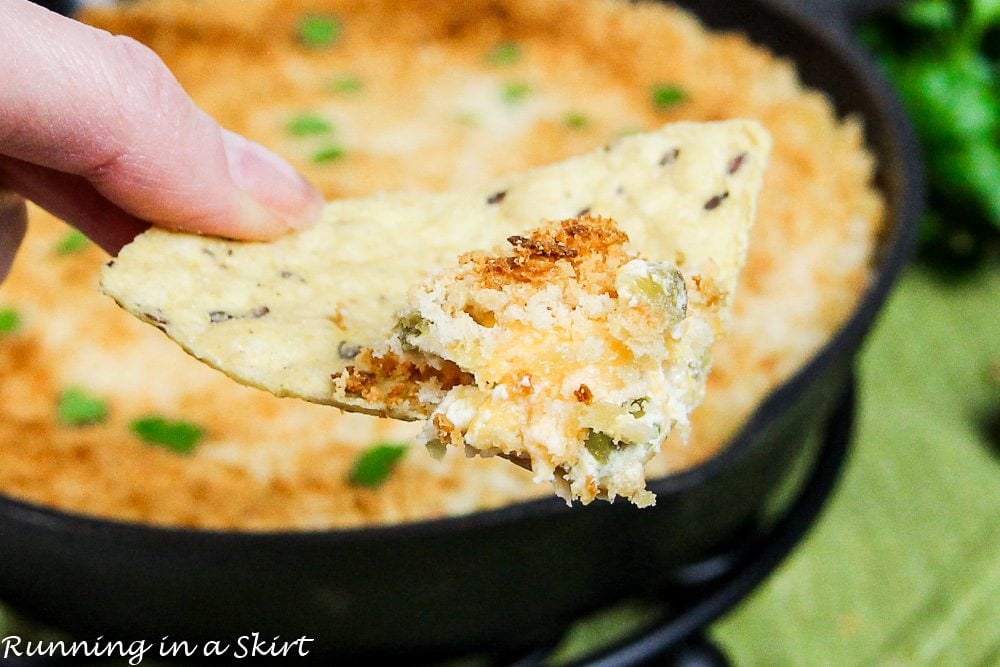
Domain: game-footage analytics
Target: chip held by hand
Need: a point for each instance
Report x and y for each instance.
(658, 220)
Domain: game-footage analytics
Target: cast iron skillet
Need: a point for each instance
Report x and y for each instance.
(512, 577)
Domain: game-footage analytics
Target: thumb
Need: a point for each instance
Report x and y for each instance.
(83, 102)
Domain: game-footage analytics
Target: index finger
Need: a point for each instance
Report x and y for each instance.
(82, 101)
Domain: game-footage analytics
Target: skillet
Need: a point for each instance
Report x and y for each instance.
(512, 577)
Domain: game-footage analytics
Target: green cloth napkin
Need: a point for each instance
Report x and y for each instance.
(904, 567)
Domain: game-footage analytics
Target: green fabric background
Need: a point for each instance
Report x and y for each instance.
(904, 567)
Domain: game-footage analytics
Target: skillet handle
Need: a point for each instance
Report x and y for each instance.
(841, 13)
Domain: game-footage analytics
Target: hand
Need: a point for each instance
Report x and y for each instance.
(95, 129)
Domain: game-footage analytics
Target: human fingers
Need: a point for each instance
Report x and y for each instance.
(13, 222)
(74, 199)
(105, 108)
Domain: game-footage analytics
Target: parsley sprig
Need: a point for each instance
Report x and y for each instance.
(944, 57)
(180, 437)
(319, 31)
(10, 320)
(375, 465)
(79, 407)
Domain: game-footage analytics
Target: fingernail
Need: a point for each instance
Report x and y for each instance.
(272, 182)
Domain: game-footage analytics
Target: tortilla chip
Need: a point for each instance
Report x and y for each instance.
(286, 315)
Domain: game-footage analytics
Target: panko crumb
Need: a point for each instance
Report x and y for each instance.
(564, 352)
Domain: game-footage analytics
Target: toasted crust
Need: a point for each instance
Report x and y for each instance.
(396, 380)
(536, 258)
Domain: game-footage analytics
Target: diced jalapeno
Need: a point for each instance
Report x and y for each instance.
(436, 448)
(600, 445)
(662, 285)
(638, 407)
(408, 327)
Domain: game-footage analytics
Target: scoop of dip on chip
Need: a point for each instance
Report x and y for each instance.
(565, 352)
(302, 316)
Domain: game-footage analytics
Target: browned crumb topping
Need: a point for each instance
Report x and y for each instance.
(586, 243)
(583, 394)
(446, 430)
(709, 294)
(395, 379)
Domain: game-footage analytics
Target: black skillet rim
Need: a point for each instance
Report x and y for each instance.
(896, 249)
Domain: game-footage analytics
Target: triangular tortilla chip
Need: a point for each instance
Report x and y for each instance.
(287, 315)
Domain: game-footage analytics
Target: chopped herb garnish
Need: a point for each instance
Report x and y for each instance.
(504, 53)
(666, 96)
(468, 118)
(576, 120)
(516, 92)
(78, 407)
(347, 84)
(376, 464)
(177, 436)
(10, 320)
(328, 154)
(318, 31)
(308, 124)
(73, 242)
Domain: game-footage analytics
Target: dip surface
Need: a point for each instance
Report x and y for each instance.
(415, 95)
